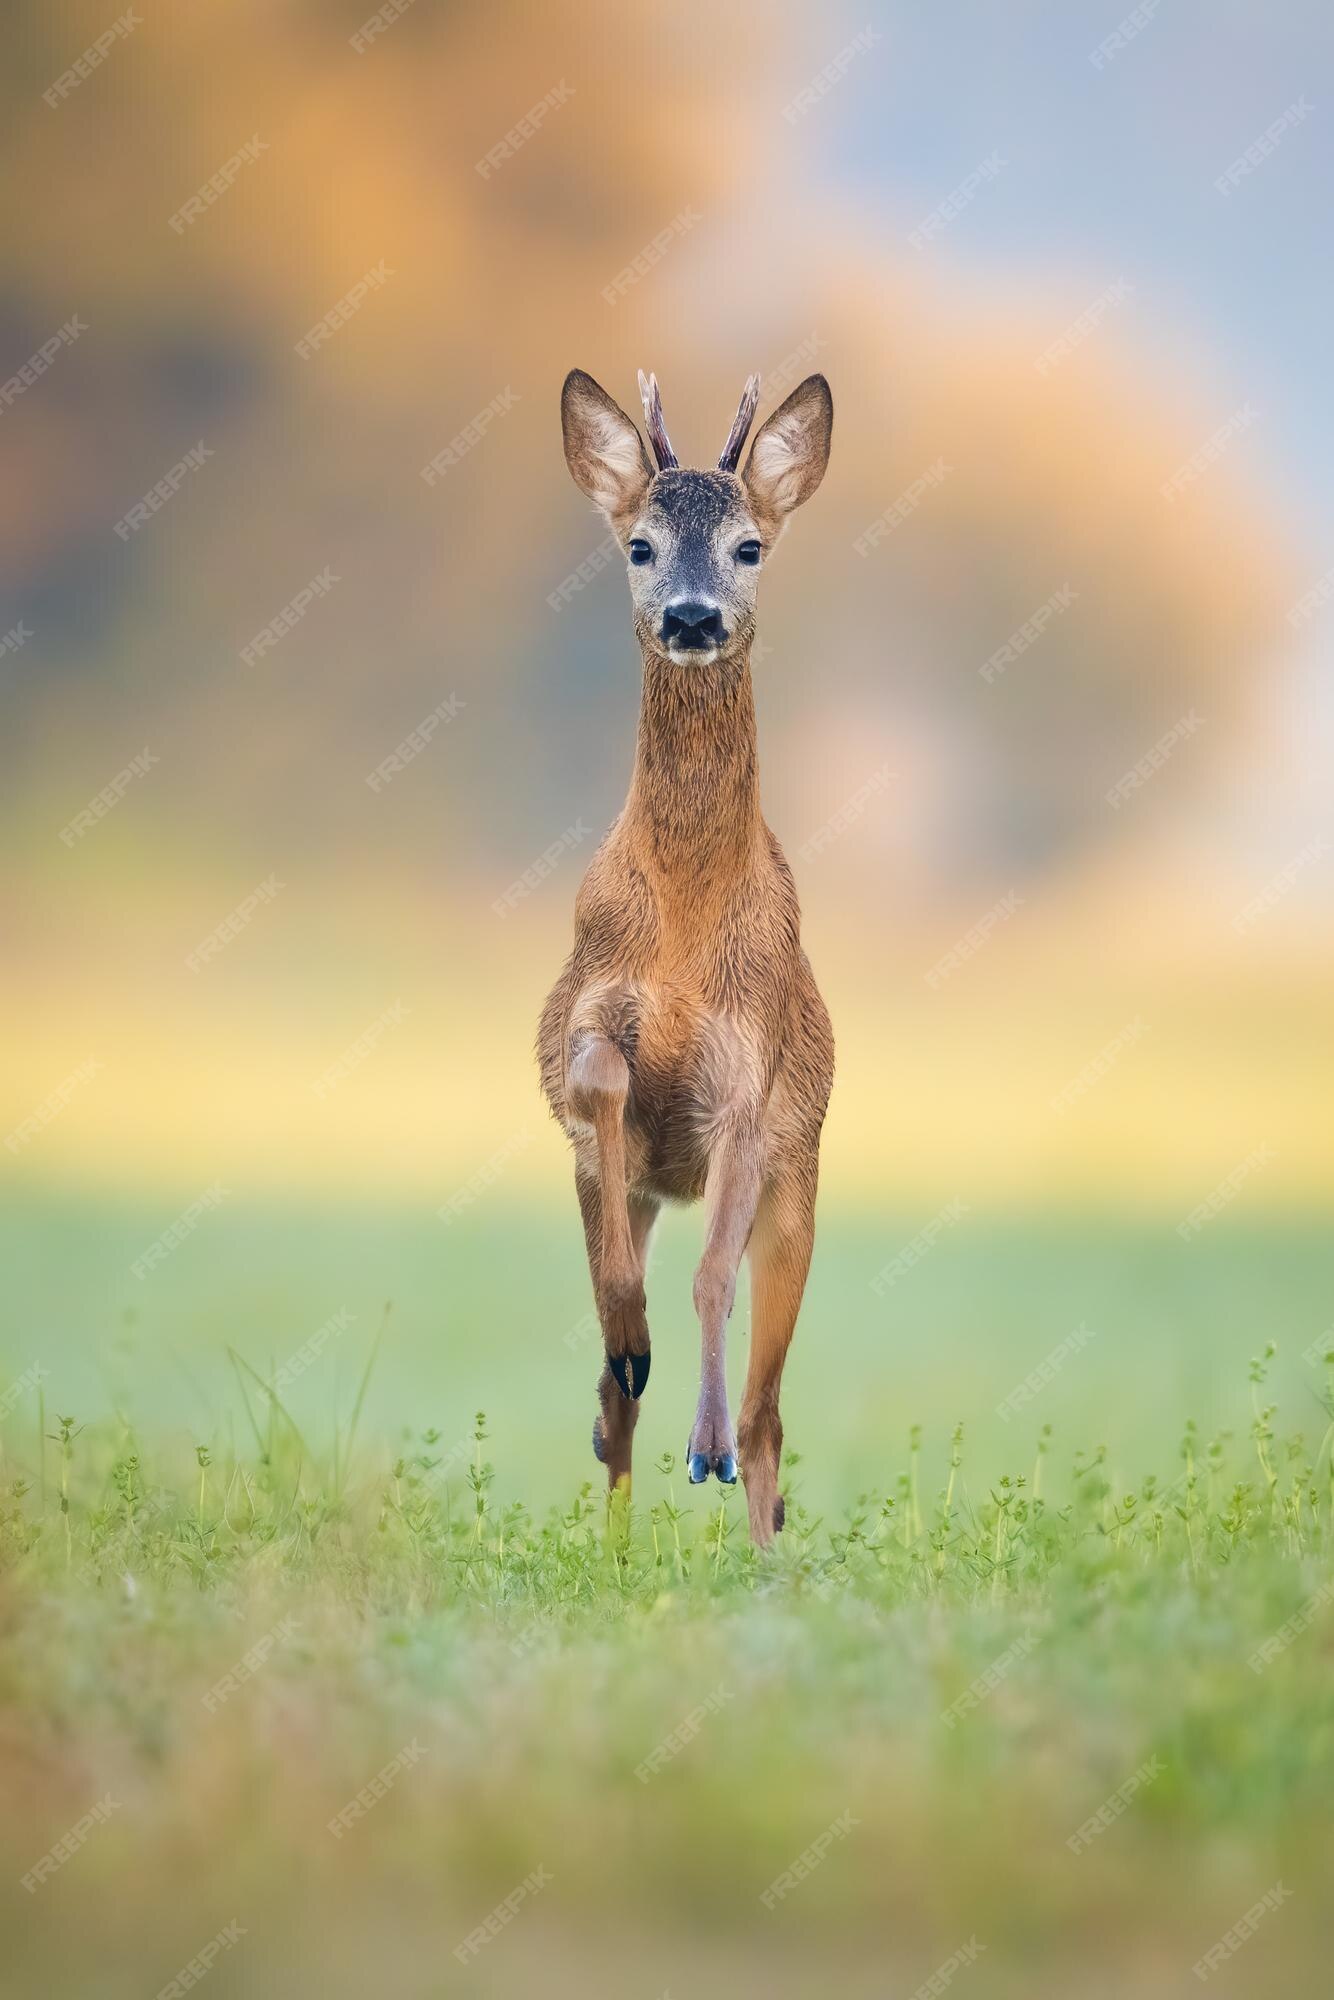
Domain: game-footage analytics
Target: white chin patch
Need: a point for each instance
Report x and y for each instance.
(695, 656)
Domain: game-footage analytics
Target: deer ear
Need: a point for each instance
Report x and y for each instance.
(791, 450)
(603, 449)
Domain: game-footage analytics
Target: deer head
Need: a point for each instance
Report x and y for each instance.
(695, 542)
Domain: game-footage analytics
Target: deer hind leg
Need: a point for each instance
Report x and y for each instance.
(780, 1256)
(731, 1192)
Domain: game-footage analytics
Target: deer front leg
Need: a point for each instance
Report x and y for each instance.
(731, 1194)
(597, 1087)
(616, 1232)
(614, 1425)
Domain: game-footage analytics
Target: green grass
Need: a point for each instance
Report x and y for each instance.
(493, 1313)
(954, 1673)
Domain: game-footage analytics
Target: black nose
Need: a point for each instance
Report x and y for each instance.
(692, 625)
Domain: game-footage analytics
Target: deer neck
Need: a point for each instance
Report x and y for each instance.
(693, 809)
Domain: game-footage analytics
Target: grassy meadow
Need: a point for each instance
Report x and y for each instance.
(1036, 1680)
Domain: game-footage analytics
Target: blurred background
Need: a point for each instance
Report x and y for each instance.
(286, 495)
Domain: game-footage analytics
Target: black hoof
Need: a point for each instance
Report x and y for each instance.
(630, 1372)
(725, 1467)
(699, 1468)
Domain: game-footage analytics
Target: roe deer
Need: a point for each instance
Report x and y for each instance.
(685, 1048)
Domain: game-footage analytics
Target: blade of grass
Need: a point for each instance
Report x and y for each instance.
(343, 1458)
(275, 1403)
(234, 1358)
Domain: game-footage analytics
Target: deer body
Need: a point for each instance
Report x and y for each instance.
(685, 1049)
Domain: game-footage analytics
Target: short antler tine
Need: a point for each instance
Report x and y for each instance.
(741, 424)
(657, 429)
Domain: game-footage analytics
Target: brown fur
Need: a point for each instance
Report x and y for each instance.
(685, 1049)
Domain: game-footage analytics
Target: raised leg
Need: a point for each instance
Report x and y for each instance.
(614, 1425)
(730, 1194)
(616, 1232)
(780, 1256)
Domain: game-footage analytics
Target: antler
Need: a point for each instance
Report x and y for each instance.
(741, 424)
(657, 430)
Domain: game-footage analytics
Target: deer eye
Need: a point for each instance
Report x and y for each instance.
(640, 552)
(749, 552)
